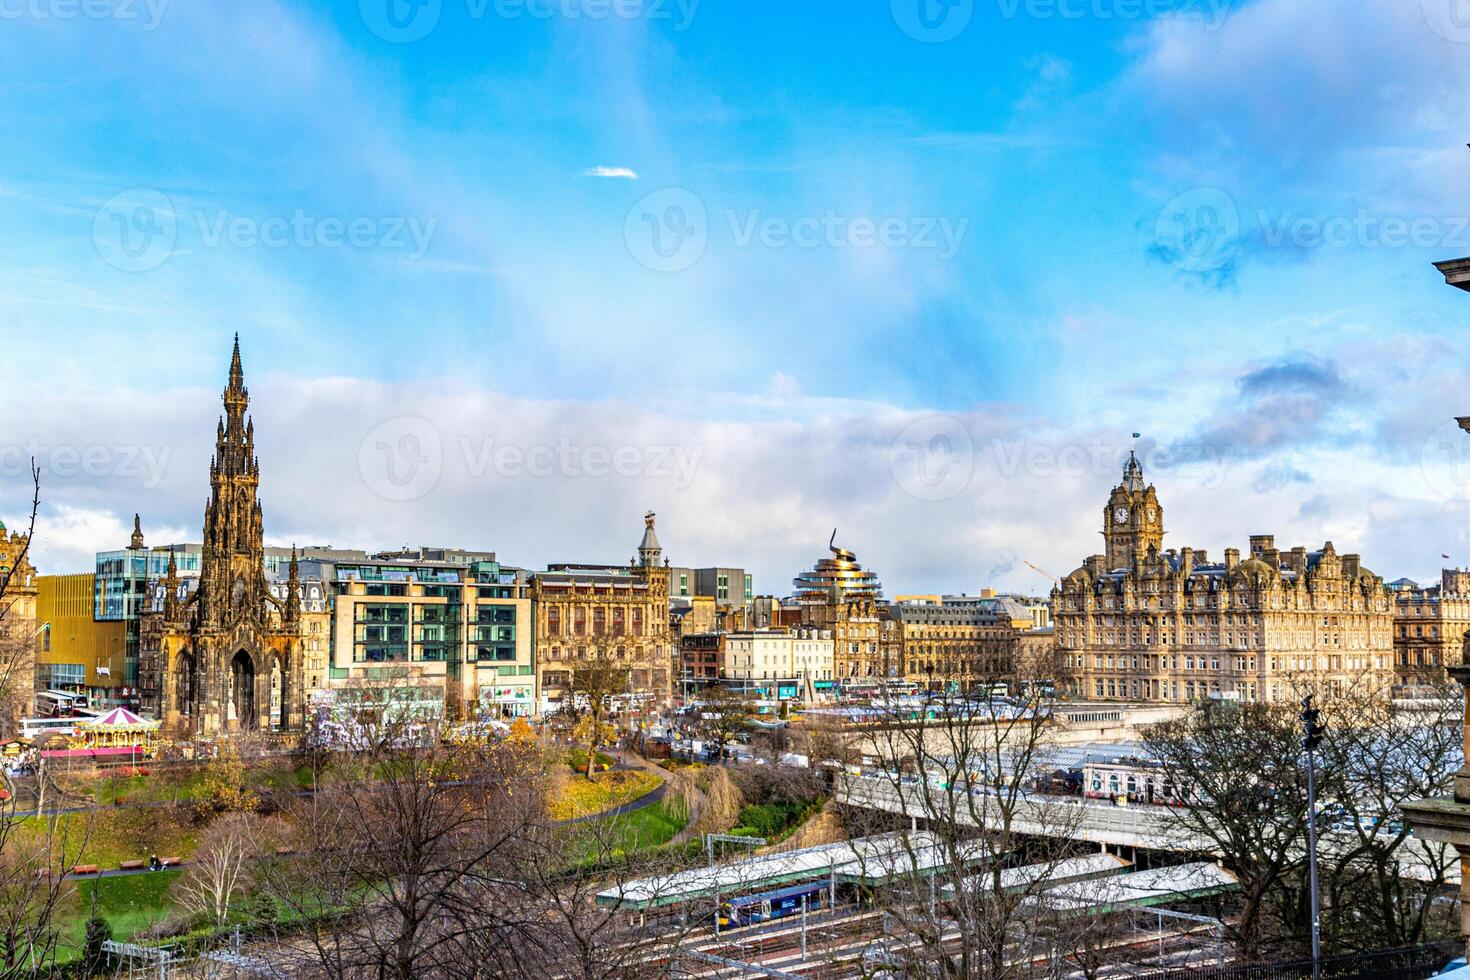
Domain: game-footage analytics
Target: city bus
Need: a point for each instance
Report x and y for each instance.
(59, 704)
(38, 728)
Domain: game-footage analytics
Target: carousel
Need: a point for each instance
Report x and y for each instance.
(118, 732)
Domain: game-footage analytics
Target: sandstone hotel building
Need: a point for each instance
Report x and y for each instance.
(1141, 623)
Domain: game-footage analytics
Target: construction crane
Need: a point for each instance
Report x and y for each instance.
(1042, 571)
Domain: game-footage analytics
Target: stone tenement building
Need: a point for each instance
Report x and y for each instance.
(840, 596)
(973, 641)
(955, 645)
(600, 612)
(209, 659)
(1143, 624)
(18, 628)
(1429, 627)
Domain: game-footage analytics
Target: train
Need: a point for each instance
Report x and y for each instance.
(748, 910)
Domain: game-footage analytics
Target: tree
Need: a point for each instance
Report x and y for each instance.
(406, 858)
(964, 767)
(33, 854)
(1241, 771)
(595, 683)
(1236, 766)
(1377, 755)
(94, 959)
(724, 715)
(221, 870)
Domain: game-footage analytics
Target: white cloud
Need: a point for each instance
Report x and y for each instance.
(366, 464)
(622, 173)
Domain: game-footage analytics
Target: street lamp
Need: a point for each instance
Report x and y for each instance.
(1312, 731)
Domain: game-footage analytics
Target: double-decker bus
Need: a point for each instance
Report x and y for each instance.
(59, 704)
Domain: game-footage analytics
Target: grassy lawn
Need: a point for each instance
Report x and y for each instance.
(163, 785)
(130, 904)
(119, 834)
(641, 830)
(579, 797)
(577, 760)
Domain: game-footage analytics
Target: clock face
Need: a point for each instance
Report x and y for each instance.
(1152, 515)
(1120, 516)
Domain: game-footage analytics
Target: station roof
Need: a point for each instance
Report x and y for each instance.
(921, 858)
(1143, 889)
(1057, 872)
(750, 874)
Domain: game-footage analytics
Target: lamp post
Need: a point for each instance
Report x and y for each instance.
(1312, 731)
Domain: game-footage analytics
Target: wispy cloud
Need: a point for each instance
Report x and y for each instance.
(618, 173)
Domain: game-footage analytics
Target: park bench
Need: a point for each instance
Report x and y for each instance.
(132, 865)
(84, 869)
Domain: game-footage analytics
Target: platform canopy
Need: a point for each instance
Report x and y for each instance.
(1143, 889)
(889, 851)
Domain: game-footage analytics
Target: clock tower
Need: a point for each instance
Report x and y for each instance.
(1132, 519)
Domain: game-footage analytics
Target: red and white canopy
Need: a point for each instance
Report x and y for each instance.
(118, 720)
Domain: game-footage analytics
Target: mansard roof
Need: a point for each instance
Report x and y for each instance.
(1170, 564)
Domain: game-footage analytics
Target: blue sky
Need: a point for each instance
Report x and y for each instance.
(792, 245)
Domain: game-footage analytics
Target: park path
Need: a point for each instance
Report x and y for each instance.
(694, 795)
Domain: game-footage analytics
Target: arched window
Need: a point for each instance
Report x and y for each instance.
(618, 624)
(599, 621)
(553, 621)
(579, 621)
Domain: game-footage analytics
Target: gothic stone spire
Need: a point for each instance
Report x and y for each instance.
(232, 562)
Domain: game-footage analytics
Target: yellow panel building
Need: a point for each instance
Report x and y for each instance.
(77, 652)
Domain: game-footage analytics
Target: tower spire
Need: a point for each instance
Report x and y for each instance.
(136, 544)
(1132, 473)
(649, 550)
(237, 374)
